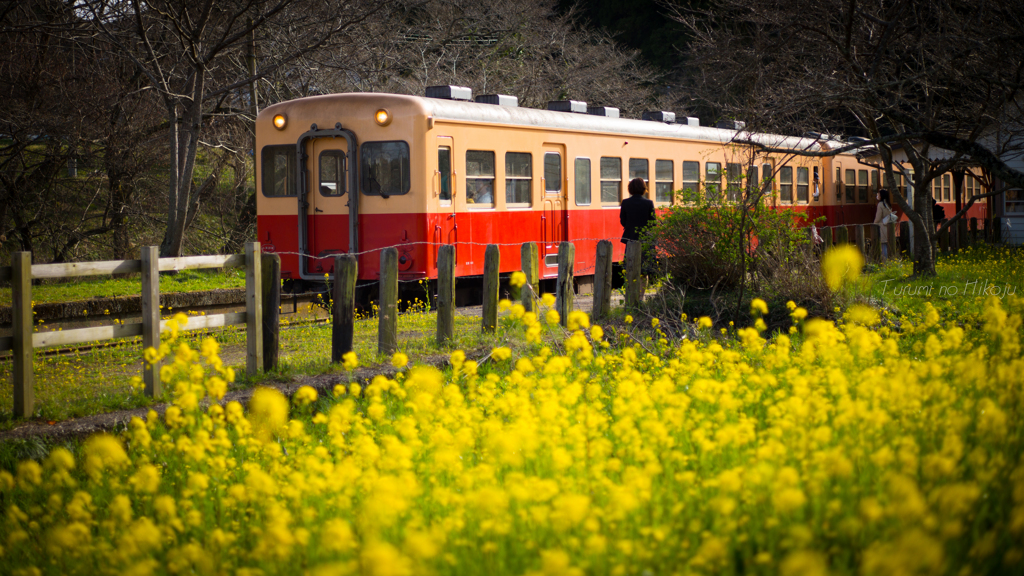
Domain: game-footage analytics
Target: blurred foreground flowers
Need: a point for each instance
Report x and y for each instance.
(829, 450)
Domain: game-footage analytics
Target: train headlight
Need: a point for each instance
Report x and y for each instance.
(280, 121)
(383, 117)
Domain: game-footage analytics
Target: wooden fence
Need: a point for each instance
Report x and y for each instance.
(262, 286)
(900, 240)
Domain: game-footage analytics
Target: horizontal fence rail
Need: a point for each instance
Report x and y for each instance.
(23, 342)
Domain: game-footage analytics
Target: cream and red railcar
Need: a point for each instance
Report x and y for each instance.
(359, 172)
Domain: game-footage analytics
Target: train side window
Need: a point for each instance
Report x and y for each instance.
(734, 181)
(839, 185)
(663, 180)
(611, 180)
(480, 178)
(278, 166)
(768, 180)
(552, 173)
(817, 185)
(384, 168)
(874, 181)
(444, 169)
(937, 189)
(862, 186)
(691, 181)
(802, 184)
(1015, 201)
(518, 178)
(713, 180)
(582, 181)
(851, 186)
(752, 180)
(945, 188)
(332, 173)
(639, 168)
(786, 184)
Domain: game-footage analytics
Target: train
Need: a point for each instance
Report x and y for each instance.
(358, 172)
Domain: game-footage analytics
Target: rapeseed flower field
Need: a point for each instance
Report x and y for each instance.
(840, 448)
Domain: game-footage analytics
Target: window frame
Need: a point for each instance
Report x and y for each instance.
(444, 177)
(659, 183)
(339, 180)
(528, 179)
(407, 175)
(805, 188)
(733, 186)
(576, 181)
(557, 191)
(786, 185)
(713, 189)
(291, 174)
(618, 181)
(862, 186)
(481, 178)
(692, 185)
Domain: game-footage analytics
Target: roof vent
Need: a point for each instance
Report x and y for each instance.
(606, 111)
(731, 124)
(450, 93)
(693, 121)
(568, 106)
(660, 116)
(499, 99)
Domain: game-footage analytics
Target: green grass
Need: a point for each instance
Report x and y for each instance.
(93, 381)
(105, 286)
(962, 283)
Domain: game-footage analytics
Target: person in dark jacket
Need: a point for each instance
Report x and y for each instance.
(636, 211)
(635, 214)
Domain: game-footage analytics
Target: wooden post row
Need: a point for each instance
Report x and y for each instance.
(602, 281)
(530, 256)
(387, 327)
(343, 305)
(826, 235)
(150, 259)
(271, 283)
(253, 309)
(876, 242)
(890, 234)
(634, 252)
(489, 310)
(445, 294)
(564, 290)
(842, 235)
(21, 325)
(859, 236)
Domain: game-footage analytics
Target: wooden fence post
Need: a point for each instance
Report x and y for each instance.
(387, 327)
(963, 239)
(634, 253)
(997, 230)
(564, 290)
(826, 235)
(530, 256)
(150, 258)
(989, 237)
(974, 229)
(842, 235)
(859, 238)
(21, 326)
(489, 310)
(445, 294)
(906, 229)
(876, 242)
(253, 309)
(602, 281)
(271, 284)
(944, 240)
(343, 305)
(890, 233)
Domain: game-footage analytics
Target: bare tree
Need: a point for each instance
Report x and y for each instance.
(903, 74)
(193, 53)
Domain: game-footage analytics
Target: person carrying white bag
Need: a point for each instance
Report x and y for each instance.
(883, 216)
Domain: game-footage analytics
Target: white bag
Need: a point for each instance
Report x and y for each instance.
(890, 219)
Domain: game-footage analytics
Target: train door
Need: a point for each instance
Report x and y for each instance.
(445, 226)
(555, 215)
(327, 186)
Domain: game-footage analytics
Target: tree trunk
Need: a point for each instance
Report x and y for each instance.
(184, 144)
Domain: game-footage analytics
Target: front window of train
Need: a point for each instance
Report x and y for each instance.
(384, 168)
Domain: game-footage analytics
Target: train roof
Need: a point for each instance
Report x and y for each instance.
(442, 109)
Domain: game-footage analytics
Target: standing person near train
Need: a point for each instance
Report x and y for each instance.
(882, 217)
(635, 214)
